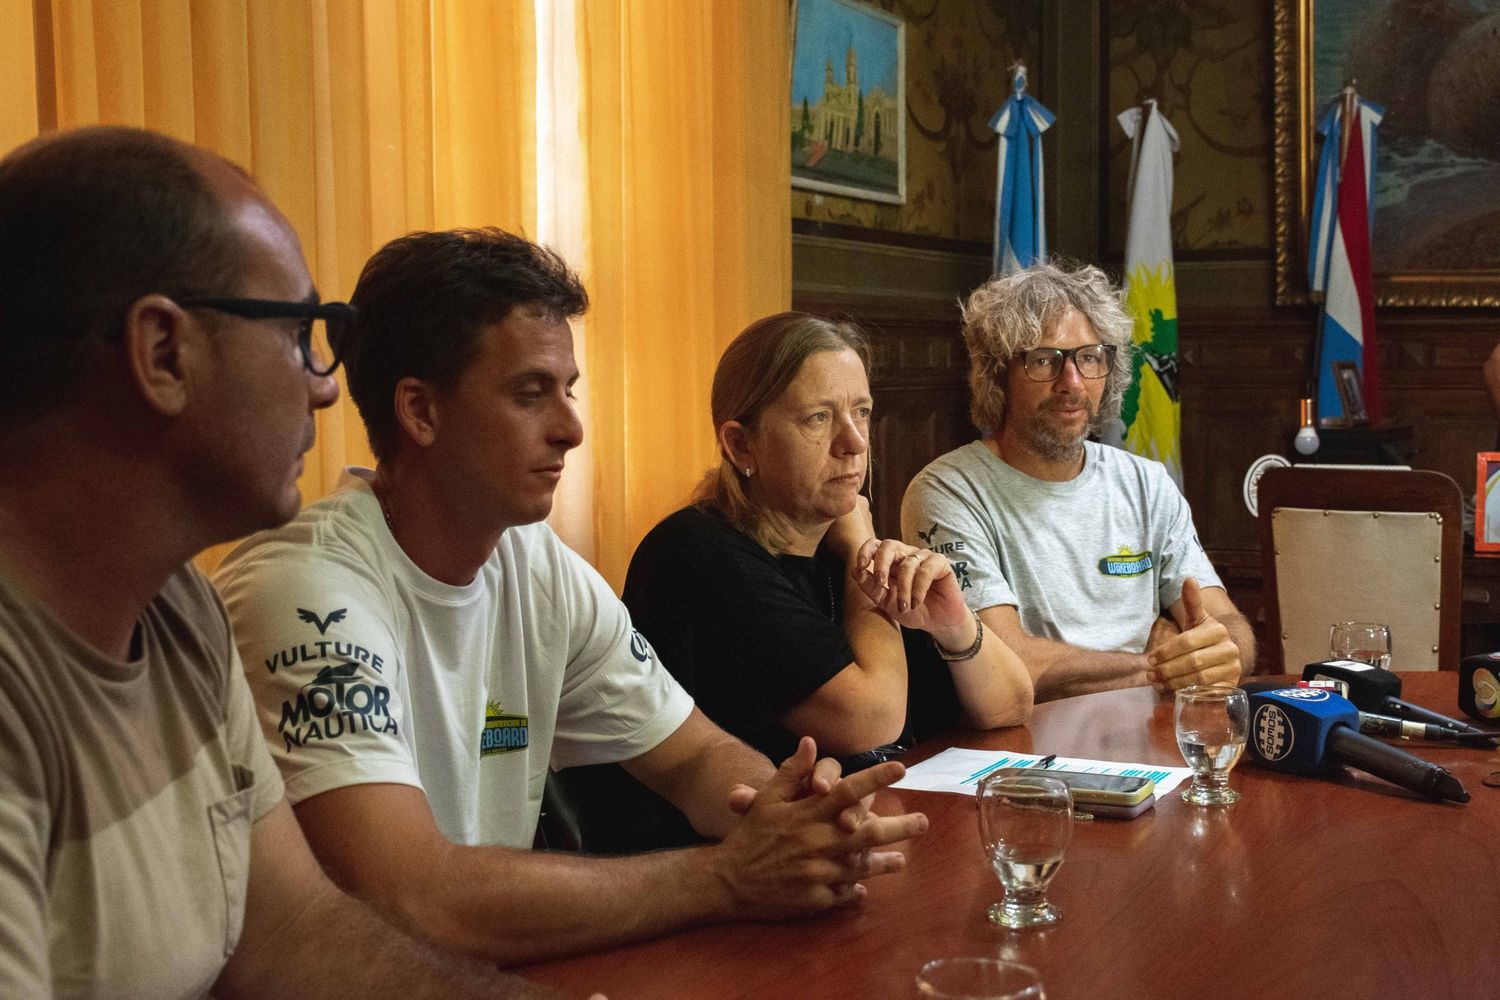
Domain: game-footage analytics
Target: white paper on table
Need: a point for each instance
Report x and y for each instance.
(959, 770)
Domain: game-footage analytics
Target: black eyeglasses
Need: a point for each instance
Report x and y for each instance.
(337, 317)
(1045, 364)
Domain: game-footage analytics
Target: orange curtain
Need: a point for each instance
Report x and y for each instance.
(661, 172)
(361, 120)
(687, 186)
(18, 121)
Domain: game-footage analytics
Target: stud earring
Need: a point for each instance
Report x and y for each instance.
(749, 472)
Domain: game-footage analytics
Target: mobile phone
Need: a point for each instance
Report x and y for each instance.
(1092, 789)
(1101, 811)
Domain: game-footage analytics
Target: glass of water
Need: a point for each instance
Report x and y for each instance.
(1212, 722)
(1025, 823)
(1367, 642)
(979, 979)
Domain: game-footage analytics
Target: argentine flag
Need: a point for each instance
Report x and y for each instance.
(1339, 248)
(1020, 232)
(1150, 416)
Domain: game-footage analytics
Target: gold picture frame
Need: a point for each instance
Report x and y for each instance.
(1295, 151)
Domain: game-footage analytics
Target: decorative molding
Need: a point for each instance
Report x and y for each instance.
(1286, 164)
(891, 238)
(854, 271)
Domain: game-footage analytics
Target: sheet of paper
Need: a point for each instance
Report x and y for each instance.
(959, 770)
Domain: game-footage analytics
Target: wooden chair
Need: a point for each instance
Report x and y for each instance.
(1361, 545)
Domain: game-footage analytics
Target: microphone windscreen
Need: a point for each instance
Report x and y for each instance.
(1369, 686)
(1479, 687)
(1289, 727)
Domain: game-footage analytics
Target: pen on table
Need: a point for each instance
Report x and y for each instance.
(1046, 761)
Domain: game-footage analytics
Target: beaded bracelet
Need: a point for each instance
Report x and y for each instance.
(972, 651)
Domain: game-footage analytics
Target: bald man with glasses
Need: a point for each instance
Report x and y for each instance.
(1082, 557)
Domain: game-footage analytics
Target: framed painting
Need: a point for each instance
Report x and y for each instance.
(848, 100)
(1487, 504)
(1351, 393)
(1435, 68)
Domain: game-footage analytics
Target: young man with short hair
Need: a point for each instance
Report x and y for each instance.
(422, 648)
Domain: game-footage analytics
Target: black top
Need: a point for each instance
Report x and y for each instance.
(752, 635)
(749, 635)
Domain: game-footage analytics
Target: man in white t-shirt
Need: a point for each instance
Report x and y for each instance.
(1072, 552)
(160, 390)
(422, 649)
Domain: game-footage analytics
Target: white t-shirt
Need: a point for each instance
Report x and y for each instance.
(1091, 562)
(365, 669)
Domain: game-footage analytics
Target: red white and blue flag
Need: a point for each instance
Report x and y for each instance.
(1339, 251)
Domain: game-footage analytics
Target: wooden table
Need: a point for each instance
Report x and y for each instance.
(1306, 888)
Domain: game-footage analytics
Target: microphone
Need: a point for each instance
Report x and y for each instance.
(1479, 687)
(1375, 724)
(1311, 730)
(1375, 690)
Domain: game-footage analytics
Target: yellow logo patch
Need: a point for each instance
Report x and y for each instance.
(503, 732)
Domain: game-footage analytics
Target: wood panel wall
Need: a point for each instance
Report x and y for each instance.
(1244, 370)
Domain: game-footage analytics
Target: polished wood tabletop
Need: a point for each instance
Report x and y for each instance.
(1306, 888)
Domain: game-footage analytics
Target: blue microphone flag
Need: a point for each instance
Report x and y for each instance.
(1289, 727)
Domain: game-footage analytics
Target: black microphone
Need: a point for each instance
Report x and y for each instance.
(1375, 690)
(1310, 730)
(1373, 724)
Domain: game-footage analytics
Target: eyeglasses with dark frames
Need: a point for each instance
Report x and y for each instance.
(337, 318)
(1045, 364)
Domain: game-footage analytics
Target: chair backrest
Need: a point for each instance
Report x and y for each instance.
(1361, 545)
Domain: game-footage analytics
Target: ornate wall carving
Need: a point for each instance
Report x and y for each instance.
(1207, 66)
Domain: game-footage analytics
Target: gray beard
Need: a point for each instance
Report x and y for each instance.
(1043, 439)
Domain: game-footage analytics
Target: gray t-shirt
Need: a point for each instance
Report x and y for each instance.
(128, 791)
(1091, 562)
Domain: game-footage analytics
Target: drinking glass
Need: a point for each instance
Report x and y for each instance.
(1367, 642)
(1212, 722)
(1025, 823)
(979, 979)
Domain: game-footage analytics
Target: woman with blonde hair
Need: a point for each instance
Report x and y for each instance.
(772, 600)
(770, 595)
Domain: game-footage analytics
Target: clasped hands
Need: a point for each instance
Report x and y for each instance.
(807, 838)
(915, 588)
(1194, 648)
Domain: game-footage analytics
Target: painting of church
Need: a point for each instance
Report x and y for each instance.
(848, 132)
